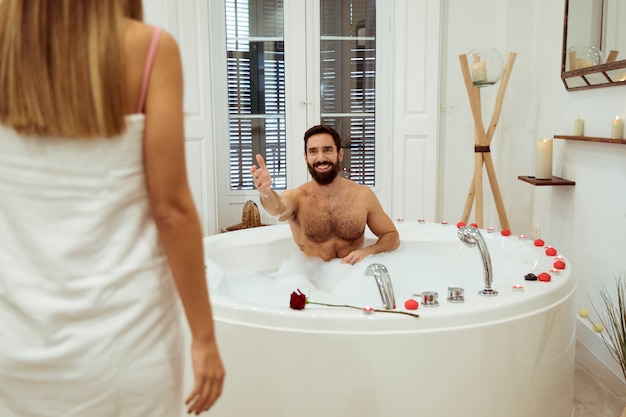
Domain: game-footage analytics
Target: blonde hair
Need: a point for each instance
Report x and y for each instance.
(62, 69)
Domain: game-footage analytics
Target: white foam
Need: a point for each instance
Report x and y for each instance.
(414, 267)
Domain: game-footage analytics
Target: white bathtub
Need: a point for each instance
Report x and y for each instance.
(511, 355)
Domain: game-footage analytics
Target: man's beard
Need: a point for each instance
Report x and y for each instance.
(324, 178)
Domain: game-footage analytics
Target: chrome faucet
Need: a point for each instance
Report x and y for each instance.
(383, 280)
(471, 237)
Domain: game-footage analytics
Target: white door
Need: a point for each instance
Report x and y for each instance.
(187, 22)
(414, 113)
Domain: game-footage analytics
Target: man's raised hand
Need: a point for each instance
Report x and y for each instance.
(261, 177)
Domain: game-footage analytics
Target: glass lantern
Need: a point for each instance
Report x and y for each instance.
(582, 56)
(485, 66)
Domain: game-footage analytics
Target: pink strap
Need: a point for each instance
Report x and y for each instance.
(148, 67)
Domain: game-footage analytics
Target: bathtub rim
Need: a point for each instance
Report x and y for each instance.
(537, 296)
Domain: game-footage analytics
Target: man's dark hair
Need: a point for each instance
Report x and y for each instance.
(317, 129)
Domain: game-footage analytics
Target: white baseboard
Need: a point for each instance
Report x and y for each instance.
(593, 341)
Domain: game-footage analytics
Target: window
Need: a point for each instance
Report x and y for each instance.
(256, 89)
(348, 75)
(256, 61)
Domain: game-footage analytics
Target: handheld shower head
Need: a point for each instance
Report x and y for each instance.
(471, 237)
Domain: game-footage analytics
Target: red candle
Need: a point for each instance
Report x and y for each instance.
(550, 251)
(544, 277)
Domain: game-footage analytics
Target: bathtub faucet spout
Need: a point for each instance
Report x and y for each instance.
(383, 280)
(471, 236)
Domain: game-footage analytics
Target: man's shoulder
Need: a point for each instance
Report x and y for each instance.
(294, 194)
(302, 189)
(353, 188)
(361, 188)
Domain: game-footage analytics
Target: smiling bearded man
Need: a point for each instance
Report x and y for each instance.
(328, 214)
(324, 177)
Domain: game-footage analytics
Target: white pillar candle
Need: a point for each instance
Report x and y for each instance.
(543, 166)
(617, 128)
(579, 127)
(479, 70)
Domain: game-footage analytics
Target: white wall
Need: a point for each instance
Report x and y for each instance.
(586, 222)
(508, 27)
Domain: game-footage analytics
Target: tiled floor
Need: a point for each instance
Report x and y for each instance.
(597, 391)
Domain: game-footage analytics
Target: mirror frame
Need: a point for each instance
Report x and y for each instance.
(597, 76)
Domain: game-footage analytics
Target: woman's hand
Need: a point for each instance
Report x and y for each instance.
(209, 376)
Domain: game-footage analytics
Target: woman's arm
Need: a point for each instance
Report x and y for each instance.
(176, 217)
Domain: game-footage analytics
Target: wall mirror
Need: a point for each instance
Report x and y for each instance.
(594, 44)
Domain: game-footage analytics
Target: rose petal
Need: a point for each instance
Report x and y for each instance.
(460, 224)
(505, 232)
(559, 265)
(539, 242)
(474, 225)
(411, 304)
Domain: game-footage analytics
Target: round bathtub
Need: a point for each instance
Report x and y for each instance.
(507, 355)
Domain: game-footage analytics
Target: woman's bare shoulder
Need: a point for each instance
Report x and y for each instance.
(136, 32)
(139, 35)
(137, 39)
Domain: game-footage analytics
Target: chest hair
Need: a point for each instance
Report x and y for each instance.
(337, 216)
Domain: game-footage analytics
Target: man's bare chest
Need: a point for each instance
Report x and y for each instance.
(323, 219)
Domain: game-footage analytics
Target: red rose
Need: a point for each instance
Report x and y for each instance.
(298, 300)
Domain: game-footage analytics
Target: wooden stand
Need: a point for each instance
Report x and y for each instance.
(482, 141)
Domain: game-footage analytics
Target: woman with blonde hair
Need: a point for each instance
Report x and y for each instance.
(99, 235)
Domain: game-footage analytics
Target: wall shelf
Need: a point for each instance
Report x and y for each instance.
(552, 181)
(591, 139)
(596, 76)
